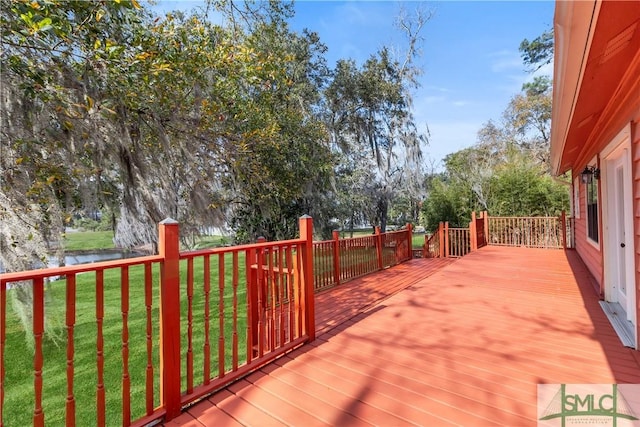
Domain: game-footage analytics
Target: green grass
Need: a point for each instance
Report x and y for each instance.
(97, 240)
(205, 242)
(19, 399)
(418, 240)
(88, 240)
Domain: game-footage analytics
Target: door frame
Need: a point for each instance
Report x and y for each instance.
(619, 146)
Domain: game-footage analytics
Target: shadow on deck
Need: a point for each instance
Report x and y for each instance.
(432, 342)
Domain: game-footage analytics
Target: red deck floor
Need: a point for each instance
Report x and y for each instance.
(462, 343)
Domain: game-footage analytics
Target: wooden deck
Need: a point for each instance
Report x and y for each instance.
(435, 342)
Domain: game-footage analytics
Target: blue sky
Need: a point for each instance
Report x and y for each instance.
(470, 60)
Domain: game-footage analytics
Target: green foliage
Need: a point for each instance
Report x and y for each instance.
(522, 188)
(519, 185)
(446, 203)
(539, 51)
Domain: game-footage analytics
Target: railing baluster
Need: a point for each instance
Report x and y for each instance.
(290, 292)
(189, 325)
(70, 321)
(271, 299)
(250, 257)
(38, 333)
(148, 294)
(100, 391)
(206, 347)
(298, 292)
(261, 302)
(221, 343)
(234, 284)
(126, 380)
(281, 296)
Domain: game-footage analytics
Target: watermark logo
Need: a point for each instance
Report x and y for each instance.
(616, 405)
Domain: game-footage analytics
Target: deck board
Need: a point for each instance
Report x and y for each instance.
(436, 342)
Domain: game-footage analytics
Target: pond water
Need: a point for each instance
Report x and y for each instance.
(85, 257)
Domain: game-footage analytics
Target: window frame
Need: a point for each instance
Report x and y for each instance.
(591, 210)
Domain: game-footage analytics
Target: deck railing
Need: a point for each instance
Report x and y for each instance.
(157, 345)
(533, 232)
(145, 337)
(340, 260)
(432, 248)
(459, 242)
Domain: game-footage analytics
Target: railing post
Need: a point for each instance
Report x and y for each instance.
(378, 240)
(563, 228)
(256, 295)
(473, 233)
(446, 239)
(336, 257)
(169, 249)
(441, 240)
(485, 215)
(306, 233)
(410, 240)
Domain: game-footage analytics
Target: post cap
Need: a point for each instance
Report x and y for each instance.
(168, 221)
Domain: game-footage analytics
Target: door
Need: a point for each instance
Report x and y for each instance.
(619, 256)
(619, 242)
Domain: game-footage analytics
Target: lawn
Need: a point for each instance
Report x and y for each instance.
(88, 240)
(19, 400)
(97, 240)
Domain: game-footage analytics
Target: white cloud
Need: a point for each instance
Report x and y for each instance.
(432, 100)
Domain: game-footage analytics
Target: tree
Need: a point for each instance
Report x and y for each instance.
(538, 52)
(528, 117)
(370, 108)
(523, 187)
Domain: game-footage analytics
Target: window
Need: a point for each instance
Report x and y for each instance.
(592, 209)
(576, 197)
